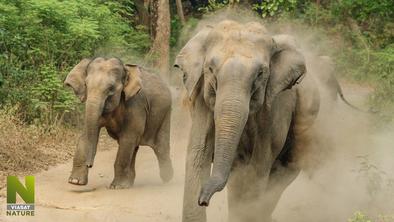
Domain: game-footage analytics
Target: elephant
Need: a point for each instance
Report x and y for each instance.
(251, 104)
(323, 67)
(330, 84)
(135, 108)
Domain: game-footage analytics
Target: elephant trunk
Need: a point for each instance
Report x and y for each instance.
(231, 114)
(93, 111)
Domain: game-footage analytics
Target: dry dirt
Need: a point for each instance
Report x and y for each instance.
(148, 200)
(331, 193)
(26, 149)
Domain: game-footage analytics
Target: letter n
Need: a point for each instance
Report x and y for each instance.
(15, 186)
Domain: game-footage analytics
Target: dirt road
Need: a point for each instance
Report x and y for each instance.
(318, 199)
(149, 200)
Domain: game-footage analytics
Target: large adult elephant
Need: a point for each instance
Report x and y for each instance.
(135, 108)
(250, 106)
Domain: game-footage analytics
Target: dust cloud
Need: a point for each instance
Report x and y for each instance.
(350, 161)
(349, 165)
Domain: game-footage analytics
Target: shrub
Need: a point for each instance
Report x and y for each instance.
(27, 149)
(42, 39)
(359, 217)
(274, 7)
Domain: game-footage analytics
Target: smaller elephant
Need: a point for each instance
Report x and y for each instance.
(135, 108)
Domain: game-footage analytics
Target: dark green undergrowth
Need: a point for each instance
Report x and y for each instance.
(362, 33)
(42, 39)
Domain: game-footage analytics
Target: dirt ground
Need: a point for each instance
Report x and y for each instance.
(26, 149)
(148, 200)
(309, 198)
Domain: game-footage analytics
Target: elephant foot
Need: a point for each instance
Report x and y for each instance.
(79, 175)
(166, 172)
(121, 183)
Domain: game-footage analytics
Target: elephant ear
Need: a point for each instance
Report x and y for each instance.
(133, 82)
(287, 65)
(191, 59)
(76, 79)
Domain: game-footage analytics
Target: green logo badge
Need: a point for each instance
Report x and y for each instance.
(26, 193)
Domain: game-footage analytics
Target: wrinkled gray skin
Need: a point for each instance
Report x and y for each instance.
(323, 68)
(133, 105)
(251, 102)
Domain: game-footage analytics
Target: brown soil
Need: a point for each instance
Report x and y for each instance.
(331, 193)
(25, 150)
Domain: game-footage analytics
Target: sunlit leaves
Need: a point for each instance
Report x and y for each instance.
(40, 41)
(274, 7)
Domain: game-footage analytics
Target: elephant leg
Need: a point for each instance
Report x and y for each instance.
(243, 195)
(236, 190)
(162, 150)
(127, 147)
(283, 173)
(281, 177)
(198, 161)
(79, 173)
(198, 168)
(132, 173)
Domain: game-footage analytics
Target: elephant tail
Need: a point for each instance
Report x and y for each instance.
(340, 92)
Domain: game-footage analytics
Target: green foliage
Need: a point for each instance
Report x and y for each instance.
(365, 31)
(374, 17)
(42, 39)
(376, 179)
(274, 7)
(375, 67)
(49, 98)
(382, 65)
(359, 217)
(176, 28)
(213, 5)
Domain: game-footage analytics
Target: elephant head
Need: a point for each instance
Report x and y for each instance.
(102, 84)
(240, 70)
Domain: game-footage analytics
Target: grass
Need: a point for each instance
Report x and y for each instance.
(26, 149)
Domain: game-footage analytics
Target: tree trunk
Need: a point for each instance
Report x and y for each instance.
(153, 12)
(179, 10)
(160, 48)
(143, 13)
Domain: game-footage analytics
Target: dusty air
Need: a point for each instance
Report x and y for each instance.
(197, 111)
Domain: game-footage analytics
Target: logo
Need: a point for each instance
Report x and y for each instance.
(26, 193)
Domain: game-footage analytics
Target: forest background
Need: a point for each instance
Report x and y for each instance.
(41, 40)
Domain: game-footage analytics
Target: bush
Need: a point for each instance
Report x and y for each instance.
(367, 52)
(42, 39)
(274, 7)
(359, 217)
(213, 5)
(49, 99)
(27, 149)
